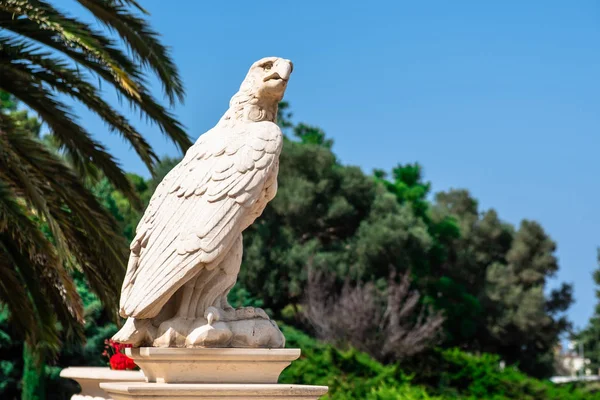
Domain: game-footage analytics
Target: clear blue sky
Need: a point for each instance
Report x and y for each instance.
(501, 98)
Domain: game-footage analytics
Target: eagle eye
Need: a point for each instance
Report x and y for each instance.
(267, 66)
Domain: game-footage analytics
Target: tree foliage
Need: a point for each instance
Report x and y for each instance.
(589, 337)
(506, 270)
(453, 374)
(384, 245)
(487, 277)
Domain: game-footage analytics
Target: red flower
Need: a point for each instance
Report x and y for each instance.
(118, 360)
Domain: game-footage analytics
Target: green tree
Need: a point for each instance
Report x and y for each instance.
(442, 286)
(506, 270)
(284, 116)
(483, 240)
(527, 324)
(318, 209)
(589, 337)
(312, 135)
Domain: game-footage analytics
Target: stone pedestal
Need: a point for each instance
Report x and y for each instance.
(89, 378)
(193, 391)
(188, 374)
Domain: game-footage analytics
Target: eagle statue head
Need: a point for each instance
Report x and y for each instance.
(261, 91)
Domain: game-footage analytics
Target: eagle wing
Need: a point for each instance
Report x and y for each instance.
(197, 211)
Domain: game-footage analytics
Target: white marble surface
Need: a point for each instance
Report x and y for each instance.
(135, 391)
(176, 365)
(89, 379)
(187, 251)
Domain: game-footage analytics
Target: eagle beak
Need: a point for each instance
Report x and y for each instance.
(282, 69)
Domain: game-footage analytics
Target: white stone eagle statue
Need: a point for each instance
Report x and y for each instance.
(187, 251)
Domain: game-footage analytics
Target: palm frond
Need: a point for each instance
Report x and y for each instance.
(14, 295)
(132, 3)
(50, 289)
(78, 35)
(76, 141)
(13, 170)
(141, 40)
(90, 232)
(42, 67)
(145, 104)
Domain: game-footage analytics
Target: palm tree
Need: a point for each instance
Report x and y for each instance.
(50, 223)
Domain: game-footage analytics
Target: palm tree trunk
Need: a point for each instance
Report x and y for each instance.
(34, 380)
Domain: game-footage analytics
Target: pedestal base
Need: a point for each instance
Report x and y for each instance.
(177, 365)
(194, 391)
(89, 378)
(211, 374)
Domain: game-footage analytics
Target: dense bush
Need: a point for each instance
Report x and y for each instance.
(387, 323)
(459, 375)
(482, 377)
(348, 374)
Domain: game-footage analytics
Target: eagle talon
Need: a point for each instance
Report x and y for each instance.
(212, 314)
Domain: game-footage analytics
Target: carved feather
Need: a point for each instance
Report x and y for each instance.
(198, 210)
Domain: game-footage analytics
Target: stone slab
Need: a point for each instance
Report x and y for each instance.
(191, 391)
(89, 379)
(212, 365)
